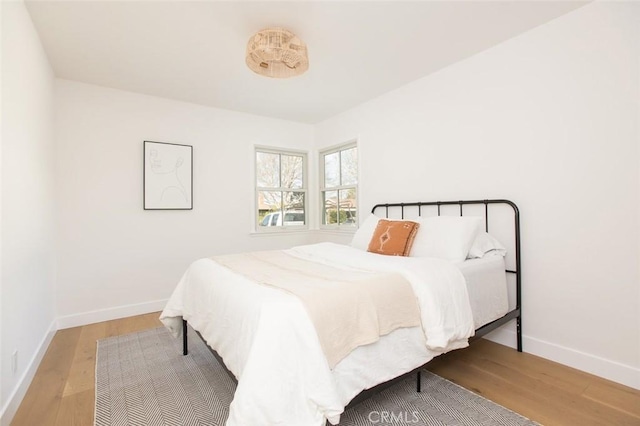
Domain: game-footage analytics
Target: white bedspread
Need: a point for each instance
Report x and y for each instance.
(267, 340)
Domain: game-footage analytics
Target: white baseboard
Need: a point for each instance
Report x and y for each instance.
(11, 407)
(108, 314)
(601, 367)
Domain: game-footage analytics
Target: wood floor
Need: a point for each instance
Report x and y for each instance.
(62, 392)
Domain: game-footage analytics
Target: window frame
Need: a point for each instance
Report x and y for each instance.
(321, 168)
(257, 189)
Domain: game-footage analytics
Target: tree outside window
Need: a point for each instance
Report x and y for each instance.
(339, 186)
(280, 189)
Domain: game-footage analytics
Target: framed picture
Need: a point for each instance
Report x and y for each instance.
(167, 176)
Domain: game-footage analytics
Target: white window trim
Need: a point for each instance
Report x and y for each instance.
(321, 154)
(305, 188)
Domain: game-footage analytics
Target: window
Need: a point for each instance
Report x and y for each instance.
(339, 186)
(280, 189)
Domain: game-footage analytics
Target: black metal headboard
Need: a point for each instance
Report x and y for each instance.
(515, 313)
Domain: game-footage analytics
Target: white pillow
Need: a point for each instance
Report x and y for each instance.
(486, 245)
(446, 237)
(363, 235)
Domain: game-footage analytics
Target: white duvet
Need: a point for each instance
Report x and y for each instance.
(268, 342)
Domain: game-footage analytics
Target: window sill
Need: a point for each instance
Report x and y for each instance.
(281, 232)
(337, 231)
(289, 232)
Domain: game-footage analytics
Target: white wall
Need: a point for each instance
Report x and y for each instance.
(549, 120)
(27, 315)
(116, 259)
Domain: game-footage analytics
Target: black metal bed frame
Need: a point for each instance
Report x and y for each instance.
(515, 313)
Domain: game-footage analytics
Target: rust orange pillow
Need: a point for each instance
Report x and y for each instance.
(393, 237)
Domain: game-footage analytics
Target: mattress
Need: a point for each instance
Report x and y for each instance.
(405, 349)
(487, 287)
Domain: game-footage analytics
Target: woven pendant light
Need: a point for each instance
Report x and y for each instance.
(277, 53)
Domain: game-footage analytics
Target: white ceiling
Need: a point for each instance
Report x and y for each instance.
(194, 51)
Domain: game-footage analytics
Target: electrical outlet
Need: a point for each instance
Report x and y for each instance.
(14, 362)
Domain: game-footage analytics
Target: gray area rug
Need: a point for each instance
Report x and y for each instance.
(142, 379)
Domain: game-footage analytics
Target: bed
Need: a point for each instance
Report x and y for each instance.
(267, 339)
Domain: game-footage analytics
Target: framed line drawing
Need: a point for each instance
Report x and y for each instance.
(167, 176)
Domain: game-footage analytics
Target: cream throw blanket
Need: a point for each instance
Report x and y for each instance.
(348, 307)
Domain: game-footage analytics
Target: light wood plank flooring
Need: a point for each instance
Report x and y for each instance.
(62, 392)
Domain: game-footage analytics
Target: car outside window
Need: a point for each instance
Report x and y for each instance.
(281, 189)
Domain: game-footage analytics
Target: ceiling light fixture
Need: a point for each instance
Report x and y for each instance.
(277, 53)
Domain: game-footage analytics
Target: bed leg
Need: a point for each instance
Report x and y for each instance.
(418, 382)
(519, 332)
(185, 346)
